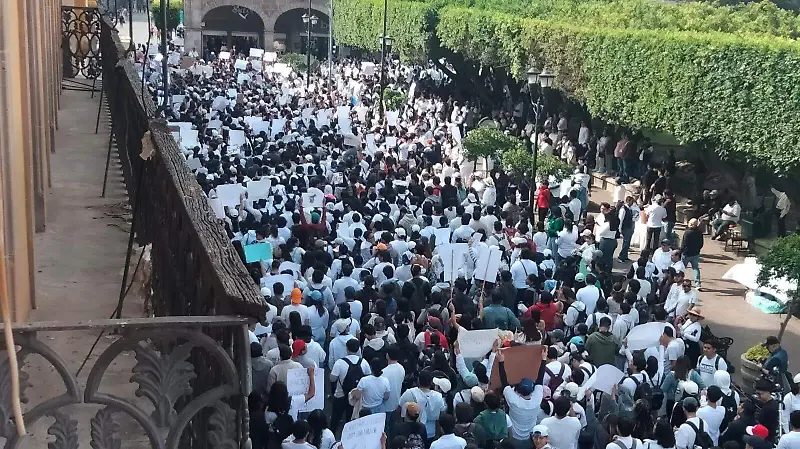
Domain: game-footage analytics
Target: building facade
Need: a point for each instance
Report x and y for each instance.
(268, 24)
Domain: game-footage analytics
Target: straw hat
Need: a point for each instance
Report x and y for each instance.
(696, 311)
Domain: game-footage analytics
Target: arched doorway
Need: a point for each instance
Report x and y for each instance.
(231, 26)
(292, 32)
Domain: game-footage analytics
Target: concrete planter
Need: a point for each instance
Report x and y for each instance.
(750, 371)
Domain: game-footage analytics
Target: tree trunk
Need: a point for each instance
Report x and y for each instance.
(789, 311)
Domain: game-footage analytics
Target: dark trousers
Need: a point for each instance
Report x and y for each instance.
(653, 235)
(542, 215)
(341, 406)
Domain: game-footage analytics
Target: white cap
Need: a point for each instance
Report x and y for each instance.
(539, 430)
(442, 383)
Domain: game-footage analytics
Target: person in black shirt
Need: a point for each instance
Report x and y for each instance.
(449, 193)
(768, 416)
(737, 429)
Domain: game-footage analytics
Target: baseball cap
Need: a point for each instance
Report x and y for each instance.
(665, 241)
(758, 430)
(477, 394)
(412, 410)
(580, 277)
(690, 401)
(573, 389)
(298, 346)
(539, 431)
(442, 383)
(772, 340)
(764, 385)
(297, 296)
(525, 386)
(315, 296)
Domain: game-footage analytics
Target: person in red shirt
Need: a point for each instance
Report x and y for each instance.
(547, 310)
(543, 197)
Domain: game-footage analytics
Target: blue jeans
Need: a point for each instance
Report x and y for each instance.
(669, 226)
(694, 262)
(607, 246)
(627, 235)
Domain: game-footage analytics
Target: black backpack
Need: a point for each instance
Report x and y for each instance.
(644, 311)
(282, 427)
(354, 374)
(581, 315)
(555, 379)
(728, 402)
(701, 437)
(370, 353)
(467, 432)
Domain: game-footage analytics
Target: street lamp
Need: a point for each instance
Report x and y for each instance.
(309, 20)
(386, 44)
(543, 79)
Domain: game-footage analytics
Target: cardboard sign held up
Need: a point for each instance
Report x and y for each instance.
(257, 252)
(297, 383)
(224, 55)
(521, 361)
(487, 267)
(475, 344)
(364, 433)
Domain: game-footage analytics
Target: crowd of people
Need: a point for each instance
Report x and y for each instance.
(376, 304)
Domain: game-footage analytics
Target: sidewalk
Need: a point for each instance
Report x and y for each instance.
(723, 301)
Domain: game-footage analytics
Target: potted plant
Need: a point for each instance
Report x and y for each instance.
(752, 361)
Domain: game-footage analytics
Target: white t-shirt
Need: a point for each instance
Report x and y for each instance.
(589, 296)
(628, 442)
(707, 367)
(675, 349)
(293, 445)
(449, 441)
(394, 373)
(712, 416)
(431, 405)
(655, 215)
(563, 433)
(339, 371)
(685, 436)
(555, 367)
(300, 308)
(790, 440)
(523, 413)
(373, 391)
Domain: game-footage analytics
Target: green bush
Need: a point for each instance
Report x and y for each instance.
(742, 93)
(519, 161)
(488, 143)
(757, 353)
(298, 62)
(174, 8)
(393, 99)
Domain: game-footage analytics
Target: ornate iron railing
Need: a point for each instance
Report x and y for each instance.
(172, 405)
(80, 42)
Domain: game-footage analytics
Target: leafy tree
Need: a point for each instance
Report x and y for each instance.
(782, 261)
(297, 62)
(174, 8)
(488, 142)
(520, 162)
(393, 99)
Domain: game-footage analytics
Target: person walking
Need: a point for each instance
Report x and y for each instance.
(655, 213)
(691, 244)
(627, 224)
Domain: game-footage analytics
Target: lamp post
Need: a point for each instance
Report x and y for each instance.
(309, 20)
(386, 44)
(543, 79)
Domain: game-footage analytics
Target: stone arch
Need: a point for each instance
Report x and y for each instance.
(256, 6)
(282, 6)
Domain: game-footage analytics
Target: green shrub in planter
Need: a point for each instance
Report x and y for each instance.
(757, 353)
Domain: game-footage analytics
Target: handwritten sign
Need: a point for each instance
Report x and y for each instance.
(442, 236)
(364, 433)
(257, 252)
(297, 383)
(487, 267)
(646, 335)
(257, 190)
(313, 199)
(224, 55)
(453, 258)
(475, 344)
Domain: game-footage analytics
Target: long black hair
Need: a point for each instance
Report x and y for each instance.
(318, 422)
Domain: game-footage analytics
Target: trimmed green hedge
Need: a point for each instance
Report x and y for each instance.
(744, 94)
(359, 23)
(740, 92)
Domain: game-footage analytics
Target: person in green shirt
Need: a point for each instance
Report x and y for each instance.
(497, 315)
(554, 225)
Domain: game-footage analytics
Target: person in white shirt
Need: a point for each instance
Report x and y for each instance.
(522, 268)
(524, 401)
(589, 294)
(791, 403)
(673, 348)
(574, 205)
(463, 232)
(342, 283)
(638, 375)
(730, 215)
(710, 362)
(662, 258)
(395, 374)
(448, 440)
(663, 436)
(563, 430)
(431, 402)
(554, 368)
(791, 440)
(593, 319)
(373, 390)
(713, 413)
(690, 332)
(300, 431)
(687, 433)
(655, 213)
(624, 439)
(685, 299)
(624, 322)
(676, 261)
(341, 405)
(567, 239)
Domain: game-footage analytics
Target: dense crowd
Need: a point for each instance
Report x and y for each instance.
(376, 302)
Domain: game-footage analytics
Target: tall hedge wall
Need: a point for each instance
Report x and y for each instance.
(742, 92)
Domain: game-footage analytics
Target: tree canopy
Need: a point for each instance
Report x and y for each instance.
(782, 261)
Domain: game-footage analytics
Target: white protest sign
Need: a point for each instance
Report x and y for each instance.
(364, 433)
(294, 267)
(242, 77)
(240, 64)
(178, 99)
(270, 56)
(368, 68)
(391, 117)
(256, 53)
(232, 93)
(216, 206)
(256, 64)
(343, 230)
(646, 335)
(313, 199)
(442, 236)
(229, 194)
(214, 124)
(345, 127)
(456, 132)
(219, 103)
(453, 258)
(475, 344)
(194, 163)
(277, 126)
(189, 138)
(604, 378)
(361, 112)
(351, 140)
(323, 118)
(371, 143)
(224, 55)
(152, 49)
(177, 136)
(287, 280)
(391, 142)
(174, 58)
(258, 190)
(343, 112)
(258, 126)
(487, 267)
(236, 138)
(297, 384)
